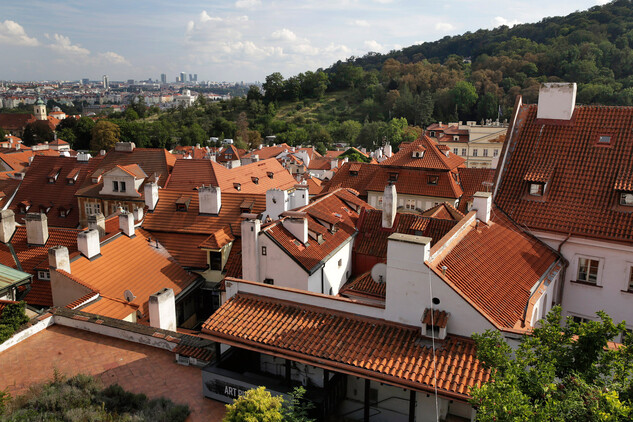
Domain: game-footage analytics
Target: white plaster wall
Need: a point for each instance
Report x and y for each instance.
(334, 276)
(615, 262)
(280, 267)
(544, 304)
(422, 202)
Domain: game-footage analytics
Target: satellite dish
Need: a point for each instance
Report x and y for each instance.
(628, 198)
(379, 273)
(128, 296)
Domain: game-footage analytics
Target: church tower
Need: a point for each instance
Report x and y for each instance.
(40, 110)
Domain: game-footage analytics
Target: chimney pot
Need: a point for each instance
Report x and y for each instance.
(36, 228)
(297, 225)
(58, 258)
(126, 223)
(556, 100)
(7, 225)
(88, 243)
(209, 199)
(97, 222)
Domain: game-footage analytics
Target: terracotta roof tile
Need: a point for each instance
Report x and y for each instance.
(268, 152)
(364, 286)
(435, 318)
(433, 157)
(15, 121)
(218, 239)
(581, 197)
(474, 180)
(183, 247)
(368, 347)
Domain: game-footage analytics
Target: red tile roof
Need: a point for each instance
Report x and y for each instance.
(364, 286)
(231, 151)
(218, 239)
(433, 158)
(473, 181)
(134, 264)
(268, 152)
(412, 181)
(339, 208)
(353, 175)
(183, 247)
(444, 211)
(189, 174)
(435, 318)
(582, 195)
(15, 121)
(495, 266)
(36, 188)
(372, 348)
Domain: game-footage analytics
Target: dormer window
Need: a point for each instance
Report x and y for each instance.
(182, 203)
(237, 186)
(536, 189)
(432, 134)
(393, 177)
(455, 138)
(255, 180)
(626, 198)
(432, 180)
(52, 176)
(270, 174)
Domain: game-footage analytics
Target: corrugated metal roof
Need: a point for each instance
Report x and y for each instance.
(10, 276)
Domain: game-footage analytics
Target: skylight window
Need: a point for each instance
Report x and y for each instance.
(604, 140)
(536, 189)
(626, 198)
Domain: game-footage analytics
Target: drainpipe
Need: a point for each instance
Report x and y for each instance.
(559, 299)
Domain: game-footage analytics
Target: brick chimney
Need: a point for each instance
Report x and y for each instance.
(150, 190)
(97, 222)
(162, 310)
(88, 243)
(36, 228)
(126, 223)
(209, 199)
(556, 101)
(7, 225)
(389, 206)
(296, 223)
(58, 258)
(482, 202)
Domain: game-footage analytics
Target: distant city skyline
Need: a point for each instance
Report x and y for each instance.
(242, 40)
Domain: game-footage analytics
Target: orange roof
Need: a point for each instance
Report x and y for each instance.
(339, 208)
(416, 181)
(265, 153)
(183, 247)
(495, 266)
(15, 121)
(371, 348)
(218, 239)
(473, 181)
(583, 192)
(364, 286)
(253, 178)
(444, 211)
(133, 170)
(166, 218)
(433, 157)
(231, 152)
(36, 188)
(333, 154)
(131, 263)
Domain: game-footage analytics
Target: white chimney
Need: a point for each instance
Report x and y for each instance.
(126, 223)
(388, 150)
(333, 163)
(276, 202)
(162, 310)
(209, 199)
(97, 222)
(124, 146)
(389, 206)
(300, 197)
(138, 214)
(297, 224)
(36, 228)
(556, 101)
(88, 243)
(250, 229)
(58, 258)
(150, 191)
(255, 158)
(7, 225)
(482, 202)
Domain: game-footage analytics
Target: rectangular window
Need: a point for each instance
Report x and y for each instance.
(379, 202)
(580, 320)
(456, 151)
(588, 270)
(495, 153)
(115, 186)
(410, 204)
(463, 152)
(604, 140)
(44, 275)
(215, 260)
(536, 189)
(88, 208)
(485, 152)
(475, 152)
(432, 180)
(97, 207)
(122, 186)
(630, 288)
(269, 281)
(264, 250)
(626, 198)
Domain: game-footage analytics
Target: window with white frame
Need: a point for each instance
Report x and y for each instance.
(463, 152)
(88, 208)
(44, 275)
(485, 152)
(536, 189)
(474, 152)
(455, 151)
(409, 204)
(580, 320)
(588, 270)
(96, 207)
(495, 153)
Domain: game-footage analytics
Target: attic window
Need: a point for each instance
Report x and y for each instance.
(604, 140)
(237, 186)
(45, 209)
(536, 189)
(182, 203)
(270, 174)
(44, 275)
(432, 180)
(393, 177)
(24, 207)
(455, 138)
(626, 198)
(52, 176)
(255, 180)
(64, 212)
(432, 134)
(353, 173)
(320, 239)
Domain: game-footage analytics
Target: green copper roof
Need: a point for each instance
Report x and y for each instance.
(10, 276)
(39, 102)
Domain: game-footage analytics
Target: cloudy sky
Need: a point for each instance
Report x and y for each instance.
(238, 40)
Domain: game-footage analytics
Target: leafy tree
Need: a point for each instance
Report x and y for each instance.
(273, 87)
(347, 132)
(254, 94)
(67, 135)
(105, 135)
(559, 373)
(13, 316)
(321, 148)
(83, 132)
(139, 106)
(255, 405)
(464, 97)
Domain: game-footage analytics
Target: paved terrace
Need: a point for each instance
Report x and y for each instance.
(136, 367)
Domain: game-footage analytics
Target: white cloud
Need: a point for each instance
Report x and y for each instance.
(13, 33)
(373, 45)
(499, 20)
(204, 17)
(602, 2)
(62, 45)
(247, 4)
(361, 23)
(284, 35)
(113, 58)
(444, 26)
